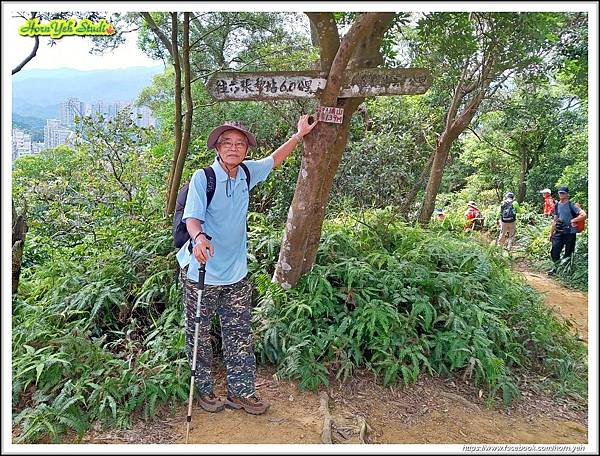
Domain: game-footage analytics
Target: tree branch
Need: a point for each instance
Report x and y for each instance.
(493, 145)
(459, 91)
(361, 27)
(158, 32)
(33, 52)
(329, 38)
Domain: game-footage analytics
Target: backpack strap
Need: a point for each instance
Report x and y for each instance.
(247, 173)
(211, 184)
(211, 181)
(571, 205)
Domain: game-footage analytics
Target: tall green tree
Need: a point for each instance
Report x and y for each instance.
(473, 55)
(323, 148)
(210, 42)
(571, 61)
(528, 126)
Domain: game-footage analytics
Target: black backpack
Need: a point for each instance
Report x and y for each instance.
(508, 212)
(180, 232)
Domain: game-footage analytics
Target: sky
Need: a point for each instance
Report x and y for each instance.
(72, 52)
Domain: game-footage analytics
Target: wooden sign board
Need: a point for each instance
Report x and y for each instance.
(330, 114)
(288, 85)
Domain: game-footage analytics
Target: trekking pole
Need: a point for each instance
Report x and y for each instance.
(201, 274)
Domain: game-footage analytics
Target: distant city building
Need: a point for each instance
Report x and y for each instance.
(142, 117)
(71, 109)
(55, 134)
(116, 107)
(107, 110)
(98, 109)
(51, 126)
(37, 147)
(61, 131)
(112, 110)
(21, 144)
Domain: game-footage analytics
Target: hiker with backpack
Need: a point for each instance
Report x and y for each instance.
(507, 221)
(213, 225)
(568, 221)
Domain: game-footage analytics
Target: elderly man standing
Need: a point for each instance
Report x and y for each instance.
(563, 232)
(217, 230)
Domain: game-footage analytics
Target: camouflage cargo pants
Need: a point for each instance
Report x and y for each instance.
(232, 304)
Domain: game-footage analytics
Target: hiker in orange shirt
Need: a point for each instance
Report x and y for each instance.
(474, 220)
(549, 202)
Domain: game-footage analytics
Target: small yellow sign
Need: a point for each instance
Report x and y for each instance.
(57, 28)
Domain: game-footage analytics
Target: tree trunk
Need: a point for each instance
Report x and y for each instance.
(19, 229)
(435, 177)
(337, 149)
(522, 178)
(173, 48)
(172, 195)
(455, 125)
(529, 159)
(189, 108)
(323, 148)
(470, 94)
(307, 211)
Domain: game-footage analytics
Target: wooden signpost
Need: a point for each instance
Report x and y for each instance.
(289, 85)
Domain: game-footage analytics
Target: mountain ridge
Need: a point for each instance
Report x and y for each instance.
(31, 97)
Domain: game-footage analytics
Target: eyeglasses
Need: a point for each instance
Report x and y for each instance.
(230, 144)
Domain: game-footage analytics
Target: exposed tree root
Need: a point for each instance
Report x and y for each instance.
(465, 402)
(327, 419)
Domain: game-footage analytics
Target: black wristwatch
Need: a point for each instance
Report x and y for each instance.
(203, 234)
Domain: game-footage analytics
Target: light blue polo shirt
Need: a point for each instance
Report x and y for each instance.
(224, 221)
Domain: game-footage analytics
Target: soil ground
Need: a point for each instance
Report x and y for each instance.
(432, 411)
(570, 305)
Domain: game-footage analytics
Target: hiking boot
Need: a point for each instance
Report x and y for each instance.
(252, 404)
(551, 272)
(211, 403)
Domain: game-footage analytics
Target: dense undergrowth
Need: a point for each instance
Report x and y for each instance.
(531, 245)
(97, 322)
(97, 331)
(400, 300)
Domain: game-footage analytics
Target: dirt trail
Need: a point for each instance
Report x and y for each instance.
(571, 305)
(434, 410)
